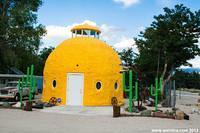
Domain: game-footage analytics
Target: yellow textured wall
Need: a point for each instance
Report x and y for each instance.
(95, 59)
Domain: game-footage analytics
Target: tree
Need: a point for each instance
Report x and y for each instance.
(187, 80)
(20, 34)
(169, 42)
(43, 55)
(127, 57)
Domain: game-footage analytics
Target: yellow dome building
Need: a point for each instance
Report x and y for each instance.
(83, 71)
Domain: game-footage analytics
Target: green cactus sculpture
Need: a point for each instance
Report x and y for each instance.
(157, 91)
(130, 89)
(29, 81)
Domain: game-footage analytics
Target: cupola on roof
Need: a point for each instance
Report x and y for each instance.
(86, 27)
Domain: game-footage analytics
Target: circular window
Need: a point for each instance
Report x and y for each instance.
(98, 85)
(54, 83)
(115, 85)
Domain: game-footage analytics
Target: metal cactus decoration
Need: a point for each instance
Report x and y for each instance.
(28, 81)
(157, 91)
(129, 89)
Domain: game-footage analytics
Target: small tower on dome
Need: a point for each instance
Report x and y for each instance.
(85, 30)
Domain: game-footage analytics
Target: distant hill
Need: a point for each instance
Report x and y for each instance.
(190, 70)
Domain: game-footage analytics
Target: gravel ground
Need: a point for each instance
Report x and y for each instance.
(18, 121)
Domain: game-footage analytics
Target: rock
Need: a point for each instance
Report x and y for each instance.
(147, 102)
(17, 105)
(179, 115)
(150, 102)
(136, 110)
(170, 113)
(194, 110)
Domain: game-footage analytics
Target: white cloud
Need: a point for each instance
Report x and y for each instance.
(195, 63)
(56, 34)
(62, 31)
(127, 3)
(89, 22)
(126, 43)
(56, 31)
(110, 33)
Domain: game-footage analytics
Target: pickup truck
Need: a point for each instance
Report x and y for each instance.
(11, 91)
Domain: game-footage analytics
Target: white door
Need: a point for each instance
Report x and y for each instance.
(75, 84)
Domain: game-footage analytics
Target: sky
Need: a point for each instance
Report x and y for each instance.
(119, 20)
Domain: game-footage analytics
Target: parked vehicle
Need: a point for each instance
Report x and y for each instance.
(11, 91)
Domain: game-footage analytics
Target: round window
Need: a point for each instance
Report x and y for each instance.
(54, 83)
(98, 85)
(115, 85)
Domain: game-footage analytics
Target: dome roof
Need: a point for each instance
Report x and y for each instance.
(84, 54)
(97, 61)
(86, 27)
